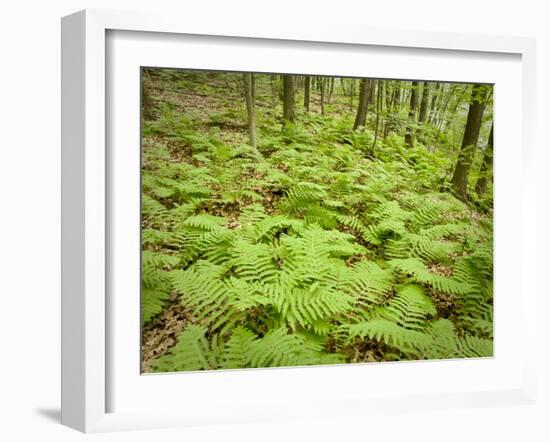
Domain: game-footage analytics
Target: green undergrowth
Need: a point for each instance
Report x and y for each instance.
(305, 250)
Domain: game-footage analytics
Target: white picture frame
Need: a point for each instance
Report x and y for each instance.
(87, 208)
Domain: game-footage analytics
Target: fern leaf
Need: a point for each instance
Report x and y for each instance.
(419, 273)
(189, 353)
(235, 353)
(389, 332)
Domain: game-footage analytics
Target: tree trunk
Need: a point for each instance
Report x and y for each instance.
(331, 89)
(486, 166)
(289, 92)
(307, 84)
(273, 78)
(388, 91)
(250, 99)
(373, 92)
(146, 101)
(424, 103)
(409, 136)
(378, 111)
(459, 180)
(362, 108)
(322, 85)
(444, 102)
(351, 93)
(433, 104)
(396, 96)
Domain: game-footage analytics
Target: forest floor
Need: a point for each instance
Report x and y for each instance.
(404, 271)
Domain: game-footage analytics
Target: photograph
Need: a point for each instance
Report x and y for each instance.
(295, 219)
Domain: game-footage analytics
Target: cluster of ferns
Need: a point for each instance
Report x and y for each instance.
(305, 252)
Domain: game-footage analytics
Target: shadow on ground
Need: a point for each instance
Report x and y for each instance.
(51, 414)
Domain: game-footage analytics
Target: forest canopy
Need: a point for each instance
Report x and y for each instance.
(292, 220)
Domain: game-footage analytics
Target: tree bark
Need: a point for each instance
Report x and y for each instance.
(250, 99)
(409, 136)
(273, 78)
(396, 96)
(322, 85)
(486, 166)
(459, 180)
(351, 93)
(372, 93)
(307, 85)
(433, 104)
(146, 101)
(424, 103)
(289, 92)
(388, 88)
(362, 107)
(378, 111)
(330, 89)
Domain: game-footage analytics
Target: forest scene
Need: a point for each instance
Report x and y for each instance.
(296, 220)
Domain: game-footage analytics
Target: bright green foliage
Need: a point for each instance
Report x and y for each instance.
(418, 272)
(155, 282)
(190, 353)
(311, 248)
(391, 333)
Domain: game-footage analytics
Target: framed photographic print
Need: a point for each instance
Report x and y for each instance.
(262, 224)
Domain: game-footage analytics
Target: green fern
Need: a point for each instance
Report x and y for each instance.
(313, 247)
(389, 332)
(410, 308)
(189, 353)
(418, 272)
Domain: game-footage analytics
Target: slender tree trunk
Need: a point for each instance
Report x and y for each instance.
(322, 85)
(331, 89)
(307, 82)
(396, 96)
(433, 104)
(409, 136)
(146, 101)
(389, 86)
(388, 93)
(351, 93)
(378, 111)
(373, 92)
(443, 110)
(424, 103)
(459, 180)
(362, 108)
(486, 166)
(273, 78)
(250, 98)
(289, 92)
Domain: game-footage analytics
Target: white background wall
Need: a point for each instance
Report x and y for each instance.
(30, 215)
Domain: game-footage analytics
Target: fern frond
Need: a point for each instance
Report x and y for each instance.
(367, 282)
(235, 353)
(409, 308)
(158, 260)
(420, 273)
(189, 353)
(413, 245)
(473, 347)
(155, 290)
(389, 332)
(267, 228)
(253, 262)
(206, 296)
(308, 306)
(204, 222)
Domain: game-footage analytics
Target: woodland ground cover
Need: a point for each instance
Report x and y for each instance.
(281, 237)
